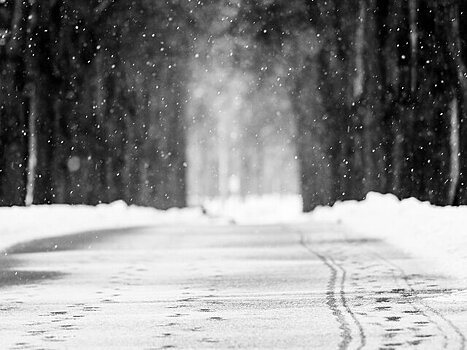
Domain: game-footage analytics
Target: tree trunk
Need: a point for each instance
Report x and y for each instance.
(32, 145)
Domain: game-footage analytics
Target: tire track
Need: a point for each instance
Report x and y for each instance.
(337, 302)
(412, 300)
(404, 277)
(367, 317)
(361, 332)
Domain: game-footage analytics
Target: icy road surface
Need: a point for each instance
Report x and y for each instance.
(310, 287)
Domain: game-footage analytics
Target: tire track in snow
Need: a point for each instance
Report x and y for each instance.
(337, 302)
(442, 321)
(358, 317)
(361, 332)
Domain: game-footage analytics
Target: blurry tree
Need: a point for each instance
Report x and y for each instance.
(241, 131)
(92, 103)
(377, 89)
(101, 90)
(13, 109)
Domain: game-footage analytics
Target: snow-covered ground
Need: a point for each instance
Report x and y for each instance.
(267, 209)
(438, 234)
(435, 233)
(19, 224)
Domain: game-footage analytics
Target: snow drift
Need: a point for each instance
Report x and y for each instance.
(20, 224)
(438, 234)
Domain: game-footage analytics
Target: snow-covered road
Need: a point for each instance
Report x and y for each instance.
(218, 286)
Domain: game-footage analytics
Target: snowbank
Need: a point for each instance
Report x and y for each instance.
(437, 234)
(418, 228)
(19, 224)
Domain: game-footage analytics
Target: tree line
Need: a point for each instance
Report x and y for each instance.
(93, 95)
(378, 90)
(92, 100)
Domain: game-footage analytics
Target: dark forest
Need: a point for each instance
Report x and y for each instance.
(96, 97)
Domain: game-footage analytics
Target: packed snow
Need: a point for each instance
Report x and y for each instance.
(438, 234)
(20, 224)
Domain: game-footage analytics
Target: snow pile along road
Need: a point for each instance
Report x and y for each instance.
(438, 234)
(20, 224)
